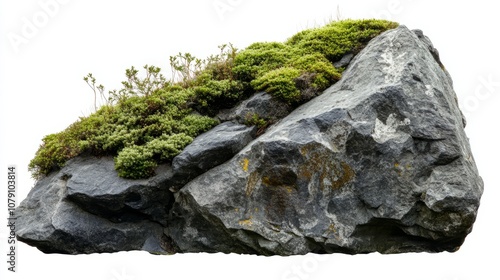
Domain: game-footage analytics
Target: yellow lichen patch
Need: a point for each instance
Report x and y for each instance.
(343, 176)
(282, 178)
(332, 229)
(403, 169)
(303, 150)
(323, 166)
(398, 168)
(251, 183)
(244, 163)
(289, 189)
(266, 180)
(246, 223)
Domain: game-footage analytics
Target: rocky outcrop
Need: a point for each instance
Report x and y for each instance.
(87, 208)
(378, 163)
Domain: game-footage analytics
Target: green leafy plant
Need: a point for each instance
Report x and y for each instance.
(185, 67)
(153, 81)
(91, 82)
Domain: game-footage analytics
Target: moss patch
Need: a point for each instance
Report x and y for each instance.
(141, 131)
(151, 120)
(275, 67)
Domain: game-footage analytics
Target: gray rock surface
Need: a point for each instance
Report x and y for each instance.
(87, 208)
(344, 61)
(378, 163)
(430, 46)
(261, 104)
(209, 150)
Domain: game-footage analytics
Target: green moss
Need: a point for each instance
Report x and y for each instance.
(151, 120)
(260, 58)
(280, 82)
(140, 161)
(135, 162)
(213, 95)
(324, 72)
(276, 67)
(141, 131)
(339, 38)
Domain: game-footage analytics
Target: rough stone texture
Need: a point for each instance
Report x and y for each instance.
(87, 208)
(430, 46)
(209, 150)
(344, 61)
(378, 163)
(261, 104)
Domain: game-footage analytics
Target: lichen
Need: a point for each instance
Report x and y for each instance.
(246, 223)
(324, 167)
(251, 183)
(244, 164)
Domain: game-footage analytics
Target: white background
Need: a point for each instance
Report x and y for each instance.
(42, 92)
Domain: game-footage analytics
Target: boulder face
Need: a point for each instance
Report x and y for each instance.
(378, 163)
(87, 208)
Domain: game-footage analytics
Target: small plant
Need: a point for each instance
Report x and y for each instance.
(221, 65)
(185, 67)
(134, 85)
(90, 80)
(338, 38)
(154, 127)
(135, 162)
(255, 120)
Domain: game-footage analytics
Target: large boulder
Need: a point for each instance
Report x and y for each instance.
(378, 163)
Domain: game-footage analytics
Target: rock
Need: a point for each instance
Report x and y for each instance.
(261, 104)
(87, 208)
(344, 61)
(430, 46)
(378, 163)
(435, 53)
(209, 150)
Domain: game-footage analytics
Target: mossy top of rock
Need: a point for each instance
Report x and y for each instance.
(151, 119)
